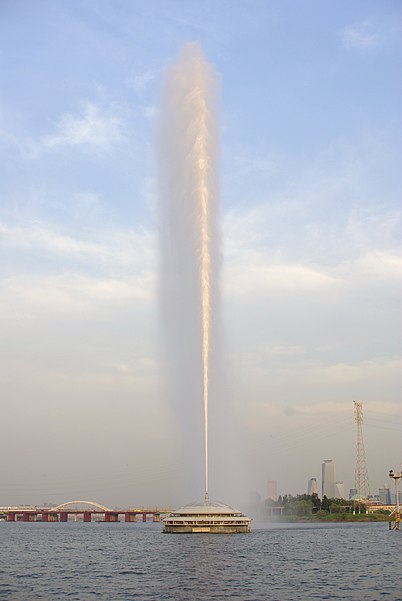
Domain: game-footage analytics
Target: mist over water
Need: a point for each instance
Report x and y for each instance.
(190, 255)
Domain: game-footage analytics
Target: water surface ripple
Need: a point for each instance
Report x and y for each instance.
(136, 562)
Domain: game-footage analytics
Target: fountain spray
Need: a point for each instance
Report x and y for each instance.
(188, 174)
(188, 212)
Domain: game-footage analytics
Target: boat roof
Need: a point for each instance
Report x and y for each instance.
(207, 509)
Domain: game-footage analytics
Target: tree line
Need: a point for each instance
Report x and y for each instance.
(303, 506)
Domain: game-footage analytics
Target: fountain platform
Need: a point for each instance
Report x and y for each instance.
(209, 518)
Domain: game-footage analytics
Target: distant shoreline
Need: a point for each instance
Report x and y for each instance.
(330, 518)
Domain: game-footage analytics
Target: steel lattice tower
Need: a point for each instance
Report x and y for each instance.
(361, 474)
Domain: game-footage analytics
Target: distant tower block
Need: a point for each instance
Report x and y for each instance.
(328, 479)
(384, 495)
(361, 473)
(352, 493)
(339, 490)
(272, 490)
(312, 487)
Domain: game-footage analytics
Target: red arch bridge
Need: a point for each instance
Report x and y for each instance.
(80, 510)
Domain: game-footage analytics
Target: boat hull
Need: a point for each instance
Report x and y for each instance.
(187, 529)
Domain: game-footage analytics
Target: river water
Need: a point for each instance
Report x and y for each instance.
(78, 561)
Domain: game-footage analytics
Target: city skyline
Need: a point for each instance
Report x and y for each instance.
(310, 225)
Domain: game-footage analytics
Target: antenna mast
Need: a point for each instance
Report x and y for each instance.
(361, 474)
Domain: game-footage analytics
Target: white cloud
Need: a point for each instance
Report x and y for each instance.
(113, 268)
(145, 364)
(87, 200)
(140, 81)
(42, 238)
(372, 370)
(71, 293)
(150, 112)
(97, 128)
(382, 264)
(117, 248)
(255, 272)
(360, 36)
(247, 164)
(371, 408)
(326, 232)
(285, 350)
(374, 228)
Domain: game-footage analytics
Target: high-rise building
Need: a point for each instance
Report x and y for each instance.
(339, 490)
(352, 493)
(328, 478)
(312, 487)
(271, 490)
(384, 495)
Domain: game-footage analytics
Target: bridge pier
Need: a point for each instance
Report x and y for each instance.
(87, 516)
(111, 516)
(10, 517)
(129, 516)
(63, 516)
(28, 516)
(45, 516)
(144, 517)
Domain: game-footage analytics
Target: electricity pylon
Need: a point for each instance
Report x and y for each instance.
(361, 473)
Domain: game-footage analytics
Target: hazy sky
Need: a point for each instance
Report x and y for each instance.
(310, 120)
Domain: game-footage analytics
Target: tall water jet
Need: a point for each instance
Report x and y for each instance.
(188, 188)
(188, 156)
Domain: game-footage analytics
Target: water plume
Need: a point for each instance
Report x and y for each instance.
(188, 212)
